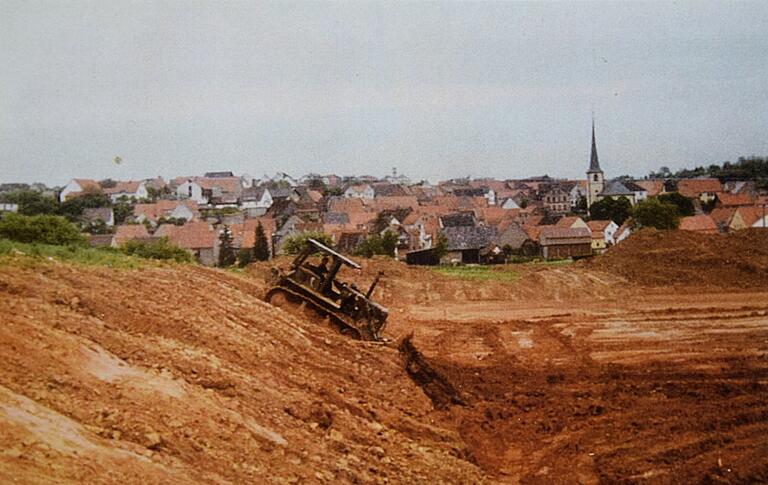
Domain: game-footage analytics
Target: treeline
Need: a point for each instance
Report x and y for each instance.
(749, 168)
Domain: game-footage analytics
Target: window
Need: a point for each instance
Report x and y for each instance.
(594, 177)
(190, 190)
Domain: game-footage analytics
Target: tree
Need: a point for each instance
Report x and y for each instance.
(260, 244)
(44, 229)
(31, 202)
(122, 210)
(73, 208)
(655, 213)
(244, 257)
(441, 246)
(616, 210)
(378, 245)
(295, 243)
(389, 243)
(226, 252)
(683, 203)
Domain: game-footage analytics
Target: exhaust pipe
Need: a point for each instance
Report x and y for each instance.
(373, 285)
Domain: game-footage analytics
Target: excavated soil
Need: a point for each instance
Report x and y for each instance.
(685, 258)
(570, 374)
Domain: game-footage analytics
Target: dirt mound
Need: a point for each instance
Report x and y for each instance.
(682, 258)
(180, 374)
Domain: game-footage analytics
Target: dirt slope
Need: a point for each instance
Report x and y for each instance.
(684, 258)
(181, 375)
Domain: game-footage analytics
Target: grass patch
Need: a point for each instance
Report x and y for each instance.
(478, 273)
(12, 251)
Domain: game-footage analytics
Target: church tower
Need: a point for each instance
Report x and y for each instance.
(595, 180)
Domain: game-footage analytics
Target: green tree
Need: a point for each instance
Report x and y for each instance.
(244, 257)
(683, 203)
(655, 213)
(610, 209)
(122, 210)
(44, 229)
(260, 244)
(389, 243)
(295, 243)
(441, 246)
(73, 207)
(226, 251)
(31, 202)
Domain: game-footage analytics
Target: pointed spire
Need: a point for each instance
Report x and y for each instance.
(594, 164)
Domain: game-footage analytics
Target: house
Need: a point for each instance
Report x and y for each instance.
(509, 203)
(166, 209)
(9, 207)
(701, 223)
(744, 217)
(422, 257)
(623, 188)
(571, 222)
(256, 197)
(457, 219)
(556, 199)
(652, 187)
(100, 240)
(129, 190)
(217, 191)
(578, 190)
(198, 238)
(361, 191)
(77, 187)
(603, 233)
(722, 217)
(726, 199)
(621, 233)
(465, 243)
(513, 238)
(129, 232)
(244, 234)
(704, 189)
(103, 214)
(561, 242)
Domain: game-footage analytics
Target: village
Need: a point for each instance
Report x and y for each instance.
(460, 221)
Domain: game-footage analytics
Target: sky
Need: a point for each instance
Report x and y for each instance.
(434, 89)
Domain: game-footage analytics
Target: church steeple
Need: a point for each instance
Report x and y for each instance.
(595, 180)
(594, 164)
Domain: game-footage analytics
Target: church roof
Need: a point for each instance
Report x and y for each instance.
(594, 164)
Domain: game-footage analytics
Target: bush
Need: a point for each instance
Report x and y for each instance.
(378, 245)
(42, 229)
(295, 243)
(158, 249)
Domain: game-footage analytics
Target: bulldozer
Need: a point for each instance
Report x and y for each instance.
(312, 290)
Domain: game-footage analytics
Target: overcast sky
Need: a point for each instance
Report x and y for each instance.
(437, 90)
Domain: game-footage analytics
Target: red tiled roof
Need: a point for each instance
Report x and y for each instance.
(722, 215)
(700, 223)
(725, 199)
(244, 235)
(127, 233)
(163, 208)
(653, 187)
(695, 187)
(192, 235)
(129, 187)
(751, 214)
(568, 221)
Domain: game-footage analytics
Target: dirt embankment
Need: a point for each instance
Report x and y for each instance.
(182, 375)
(685, 258)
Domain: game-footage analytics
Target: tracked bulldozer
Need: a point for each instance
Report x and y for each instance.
(312, 290)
